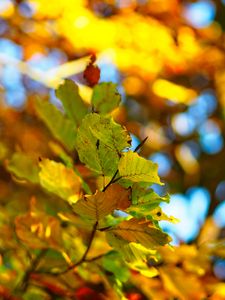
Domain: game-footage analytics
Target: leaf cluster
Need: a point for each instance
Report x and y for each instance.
(117, 210)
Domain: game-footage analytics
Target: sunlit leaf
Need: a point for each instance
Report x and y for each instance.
(146, 197)
(150, 213)
(60, 180)
(132, 252)
(72, 102)
(158, 215)
(110, 133)
(140, 232)
(101, 204)
(137, 169)
(105, 97)
(23, 167)
(144, 269)
(68, 161)
(99, 141)
(61, 128)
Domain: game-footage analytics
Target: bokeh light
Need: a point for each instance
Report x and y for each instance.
(183, 124)
(200, 13)
(211, 139)
(191, 209)
(167, 59)
(219, 214)
(164, 163)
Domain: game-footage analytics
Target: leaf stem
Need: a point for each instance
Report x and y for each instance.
(114, 179)
(111, 181)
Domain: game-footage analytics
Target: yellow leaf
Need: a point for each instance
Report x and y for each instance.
(60, 180)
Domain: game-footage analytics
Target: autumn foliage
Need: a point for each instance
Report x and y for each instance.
(81, 201)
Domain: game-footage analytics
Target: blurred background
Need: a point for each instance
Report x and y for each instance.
(168, 59)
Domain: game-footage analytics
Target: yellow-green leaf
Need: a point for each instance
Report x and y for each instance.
(105, 97)
(61, 128)
(72, 102)
(60, 180)
(99, 141)
(138, 169)
(23, 167)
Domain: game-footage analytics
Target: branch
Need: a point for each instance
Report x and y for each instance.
(33, 265)
(83, 258)
(95, 257)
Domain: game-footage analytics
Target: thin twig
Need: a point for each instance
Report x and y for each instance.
(114, 179)
(94, 258)
(111, 181)
(83, 258)
(33, 265)
(141, 144)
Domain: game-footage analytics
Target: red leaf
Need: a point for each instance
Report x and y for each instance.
(85, 293)
(134, 296)
(92, 72)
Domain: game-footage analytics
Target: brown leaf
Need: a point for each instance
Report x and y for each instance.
(139, 232)
(101, 204)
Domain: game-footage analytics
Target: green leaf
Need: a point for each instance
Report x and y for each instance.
(60, 180)
(113, 263)
(145, 202)
(99, 142)
(150, 212)
(105, 97)
(61, 128)
(146, 196)
(97, 206)
(111, 134)
(72, 102)
(23, 167)
(138, 169)
(138, 232)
